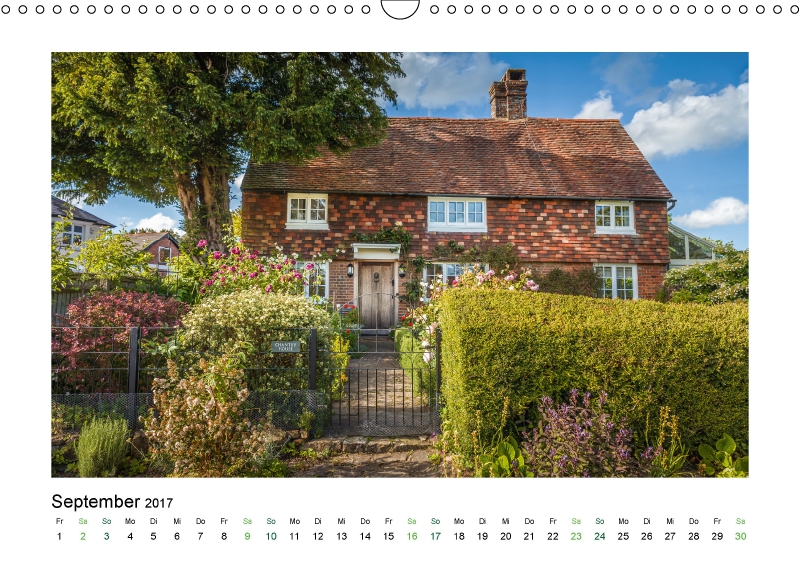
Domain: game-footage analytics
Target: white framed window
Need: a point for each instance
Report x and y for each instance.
(164, 254)
(72, 235)
(307, 211)
(617, 281)
(456, 214)
(614, 217)
(445, 272)
(316, 284)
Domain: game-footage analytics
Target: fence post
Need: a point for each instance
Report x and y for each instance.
(132, 406)
(312, 359)
(438, 362)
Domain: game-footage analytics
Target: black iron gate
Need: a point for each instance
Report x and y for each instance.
(390, 385)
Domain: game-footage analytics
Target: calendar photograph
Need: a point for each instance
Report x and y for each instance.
(399, 265)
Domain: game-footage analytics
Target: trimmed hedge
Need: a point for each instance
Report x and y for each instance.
(691, 357)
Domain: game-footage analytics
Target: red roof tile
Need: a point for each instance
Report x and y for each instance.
(534, 157)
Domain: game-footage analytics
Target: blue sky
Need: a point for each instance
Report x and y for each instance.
(688, 112)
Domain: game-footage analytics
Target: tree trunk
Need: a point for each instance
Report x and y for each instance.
(205, 203)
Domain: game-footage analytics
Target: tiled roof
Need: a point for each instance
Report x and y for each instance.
(144, 241)
(59, 208)
(534, 157)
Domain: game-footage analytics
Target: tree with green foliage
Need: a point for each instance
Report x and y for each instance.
(109, 256)
(171, 128)
(722, 280)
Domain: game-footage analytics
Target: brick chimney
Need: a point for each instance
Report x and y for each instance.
(508, 99)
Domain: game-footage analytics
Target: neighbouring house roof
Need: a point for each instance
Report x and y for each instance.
(531, 157)
(148, 240)
(60, 209)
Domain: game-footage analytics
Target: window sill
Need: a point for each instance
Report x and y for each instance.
(462, 229)
(306, 226)
(626, 232)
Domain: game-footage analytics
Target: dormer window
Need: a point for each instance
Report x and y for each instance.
(614, 217)
(307, 211)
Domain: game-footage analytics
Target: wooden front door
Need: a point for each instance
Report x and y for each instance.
(376, 292)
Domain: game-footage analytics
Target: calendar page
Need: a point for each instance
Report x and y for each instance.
(484, 296)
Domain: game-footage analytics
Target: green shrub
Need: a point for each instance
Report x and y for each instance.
(200, 425)
(727, 278)
(245, 322)
(102, 445)
(645, 355)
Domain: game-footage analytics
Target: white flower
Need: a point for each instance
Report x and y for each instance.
(426, 357)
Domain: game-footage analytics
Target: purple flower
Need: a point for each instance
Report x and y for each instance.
(235, 250)
(210, 282)
(268, 288)
(217, 255)
(202, 244)
(253, 275)
(309, 266)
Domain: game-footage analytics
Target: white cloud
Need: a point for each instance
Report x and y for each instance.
(721, 212)
(157, 222)
(686, 121)
(599, 108)
(237, 182)
(437, 80)
(745, 76)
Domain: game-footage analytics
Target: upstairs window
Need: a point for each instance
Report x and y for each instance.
(307, 211)
(456, 214)
(164, 254)
(72, 235)
(614, 217)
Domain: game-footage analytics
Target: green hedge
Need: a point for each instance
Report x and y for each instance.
(691, 357)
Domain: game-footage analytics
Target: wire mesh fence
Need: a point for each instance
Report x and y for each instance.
(332, 377)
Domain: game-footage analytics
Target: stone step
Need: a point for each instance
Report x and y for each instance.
(368, 445)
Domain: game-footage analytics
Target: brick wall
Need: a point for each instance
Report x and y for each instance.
(545, 233)
(552, 230)
(650, 278)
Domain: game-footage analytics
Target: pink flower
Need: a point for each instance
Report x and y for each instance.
(210, 282)
(511, 276)
(268, 288)
(489, 273)
(261, 268)
(309, 266)
(202, 244)
(217, 255)
(254, 255)
(297, 275)
(253, 275)
(235, 250)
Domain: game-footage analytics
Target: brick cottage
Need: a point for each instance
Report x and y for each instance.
(566, 193)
